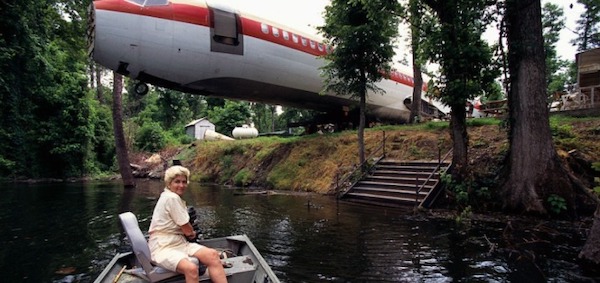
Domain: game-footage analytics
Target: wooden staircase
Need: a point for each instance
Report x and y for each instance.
(398, 183)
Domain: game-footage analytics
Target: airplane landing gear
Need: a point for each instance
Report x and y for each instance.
(141, 88)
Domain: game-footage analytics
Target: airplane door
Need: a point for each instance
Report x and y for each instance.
(226, 32)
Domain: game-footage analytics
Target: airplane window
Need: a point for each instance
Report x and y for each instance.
(286, 35)
(264, 28)
(295, 38)
(320, 47)
(156, 2)
(276, 32)
(304, 41)
(139, 2)
(312, 44)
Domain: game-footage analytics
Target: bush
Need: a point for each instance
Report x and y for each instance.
(150, 137)
(243, 178)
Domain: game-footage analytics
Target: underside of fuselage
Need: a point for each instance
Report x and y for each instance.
(254, 91)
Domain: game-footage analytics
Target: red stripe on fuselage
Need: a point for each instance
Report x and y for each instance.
(200, 15)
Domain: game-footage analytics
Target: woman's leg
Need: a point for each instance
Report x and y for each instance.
(189, 269)
(210, 258)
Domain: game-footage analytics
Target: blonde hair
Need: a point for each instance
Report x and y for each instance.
(175, 171)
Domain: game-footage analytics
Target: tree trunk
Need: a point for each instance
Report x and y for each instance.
(361, 130)
(415, 109)
(121, 146)
(92, 74)
(534, 169)
(415, 34)
(99, 92)
(591, 249)
(460, 140)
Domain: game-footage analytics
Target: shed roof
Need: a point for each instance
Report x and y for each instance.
(195, 122)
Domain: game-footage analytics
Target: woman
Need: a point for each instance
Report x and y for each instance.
(169, 228)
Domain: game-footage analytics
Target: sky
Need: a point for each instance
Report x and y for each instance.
(306, 15)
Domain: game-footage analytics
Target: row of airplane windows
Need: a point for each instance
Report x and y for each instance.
(295, 38)
(305, 42)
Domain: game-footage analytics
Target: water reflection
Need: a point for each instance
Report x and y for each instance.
(73, 228)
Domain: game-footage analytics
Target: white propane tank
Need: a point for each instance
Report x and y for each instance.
(244, 132)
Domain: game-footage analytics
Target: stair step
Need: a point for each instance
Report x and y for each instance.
(406, 168)
(392, 185)
(412, 163)
(378, 197)
(384, 191)
(397, 171)
(399, 179)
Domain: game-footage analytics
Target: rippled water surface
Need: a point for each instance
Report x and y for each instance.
(68, 232)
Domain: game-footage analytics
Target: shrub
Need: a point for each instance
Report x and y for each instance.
(557, 203)
(150, 137)
(243, 178)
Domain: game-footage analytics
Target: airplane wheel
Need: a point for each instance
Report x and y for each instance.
(141, 88)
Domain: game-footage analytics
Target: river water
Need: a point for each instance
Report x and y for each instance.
(67, 232)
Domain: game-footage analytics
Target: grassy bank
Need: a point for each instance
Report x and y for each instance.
(312, 163)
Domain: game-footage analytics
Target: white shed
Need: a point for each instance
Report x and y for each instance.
(197, 128)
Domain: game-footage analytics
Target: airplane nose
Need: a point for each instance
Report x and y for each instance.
(91, 29)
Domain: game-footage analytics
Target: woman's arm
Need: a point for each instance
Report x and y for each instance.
(188, 231)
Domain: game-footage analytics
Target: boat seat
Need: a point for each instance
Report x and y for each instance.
(139, 245)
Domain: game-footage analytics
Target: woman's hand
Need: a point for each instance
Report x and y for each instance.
(191, 236)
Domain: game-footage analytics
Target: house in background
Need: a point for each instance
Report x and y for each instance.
(588, 77)
(197, 128)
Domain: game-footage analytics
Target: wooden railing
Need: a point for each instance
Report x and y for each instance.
(420, 188)
(342, 184)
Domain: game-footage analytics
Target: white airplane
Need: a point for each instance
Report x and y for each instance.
(207, 48)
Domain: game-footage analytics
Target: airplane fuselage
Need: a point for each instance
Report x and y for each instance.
(213, 50)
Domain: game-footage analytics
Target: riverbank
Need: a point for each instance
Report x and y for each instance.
(314, 163)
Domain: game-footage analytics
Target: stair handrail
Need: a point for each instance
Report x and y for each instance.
(347, 177)
(438, 166)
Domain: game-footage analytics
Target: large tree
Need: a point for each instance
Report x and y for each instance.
(361, 34)
(588, 26)
(553, 21)
(464, 58)
(534, 169)
(46, 111)
(416, 12)
(120, 144)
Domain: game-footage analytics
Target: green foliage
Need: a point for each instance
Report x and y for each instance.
(466, 193)
(454, 42)
(557, 203)
(231, 115)
(464, 218)
(588, 26)
(437, 125)
(150, 137)
(103, 141)
(560, 129)
(227, 169)
(363, 28)
(460, 190)
(47, 113)
(596, 167)
(243, 178)
(483, 122)
(553, 21)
